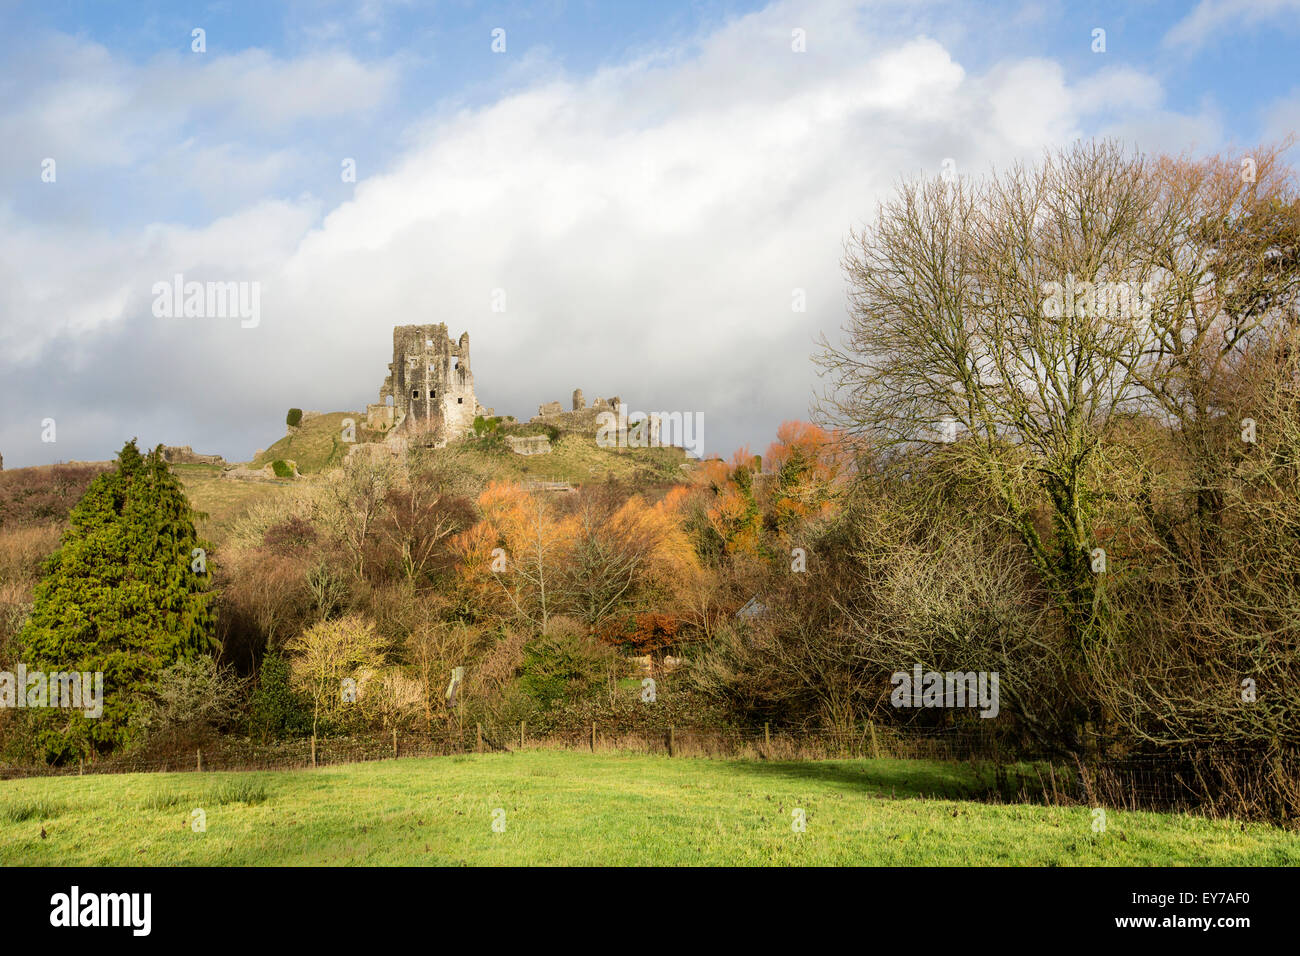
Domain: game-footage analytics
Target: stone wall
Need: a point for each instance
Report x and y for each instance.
(529, 444)
(184, 455)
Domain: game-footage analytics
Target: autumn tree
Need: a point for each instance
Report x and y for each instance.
(327, 653)
(521, 545)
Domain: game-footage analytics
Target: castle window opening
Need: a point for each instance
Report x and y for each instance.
(415, 393)
(433, 393)
(460, 401)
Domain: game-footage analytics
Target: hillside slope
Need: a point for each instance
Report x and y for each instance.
(315, 445)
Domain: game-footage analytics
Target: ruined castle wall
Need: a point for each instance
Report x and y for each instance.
(429, 382)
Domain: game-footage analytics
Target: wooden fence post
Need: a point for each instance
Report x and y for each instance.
(478, 735)
(394, 741)
(672, 744)
(767, 734)
(200, 759)
(875, 748)
(593, 736)
(521, 735)
(313, 750)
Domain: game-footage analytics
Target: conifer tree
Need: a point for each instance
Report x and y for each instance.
(126, 594)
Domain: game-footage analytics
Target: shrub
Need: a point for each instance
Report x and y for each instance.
(329, 652)
(281, 468)
(643, 633)
(43, 494)
(294, 418)
(191, 698)
(276, 709)
(291, 537)
(562, 664)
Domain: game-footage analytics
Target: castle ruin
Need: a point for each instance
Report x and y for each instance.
(430, 388)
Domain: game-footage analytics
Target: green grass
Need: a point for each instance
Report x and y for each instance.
(316, 445)
(224, 500)
(575, 808)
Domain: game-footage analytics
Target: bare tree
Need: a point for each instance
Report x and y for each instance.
(999, 319)
(355, 499)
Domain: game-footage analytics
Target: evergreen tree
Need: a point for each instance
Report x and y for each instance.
(126, 594)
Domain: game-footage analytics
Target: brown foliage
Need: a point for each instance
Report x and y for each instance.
(33, 496)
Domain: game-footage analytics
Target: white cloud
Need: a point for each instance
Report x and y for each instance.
(1282, 116)
(96, 111)
(1214, 18)
(648, 224)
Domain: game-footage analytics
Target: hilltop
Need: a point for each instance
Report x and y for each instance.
(316, 447)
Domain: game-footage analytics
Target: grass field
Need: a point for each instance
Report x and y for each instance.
(575, 808)
(224, 500)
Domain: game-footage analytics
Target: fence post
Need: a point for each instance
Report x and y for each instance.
(394, 741)
(875, 749)
(478, 734)
(81, 765)
(593, 736)
(672, 744)
(200, 760)
(521, 735)
(767, 734)
(313, 750)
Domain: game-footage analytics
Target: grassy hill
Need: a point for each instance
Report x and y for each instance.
(575, 457)
(316, 445)
(593, 809)
(224, 500)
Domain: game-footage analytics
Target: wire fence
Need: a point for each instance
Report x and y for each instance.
(1218, 781)
(237, 754)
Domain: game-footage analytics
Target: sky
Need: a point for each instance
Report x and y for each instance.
(647, 200)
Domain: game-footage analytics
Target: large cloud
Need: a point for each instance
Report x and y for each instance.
(648, 224)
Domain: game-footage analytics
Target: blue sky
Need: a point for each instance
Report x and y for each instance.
(648, 182)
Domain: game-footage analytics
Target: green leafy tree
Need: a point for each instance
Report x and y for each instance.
(277, 710)
(126, 594)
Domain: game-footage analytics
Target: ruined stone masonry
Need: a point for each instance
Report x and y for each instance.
(430, 388)
(529, 444)
(581, 416)
(184, 455)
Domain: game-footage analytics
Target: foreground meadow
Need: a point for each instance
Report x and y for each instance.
(563, 808)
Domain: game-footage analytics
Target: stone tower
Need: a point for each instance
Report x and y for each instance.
(429, 388)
